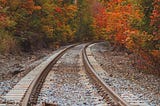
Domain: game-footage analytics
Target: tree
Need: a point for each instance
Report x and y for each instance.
(116, 18)
(146, 7)
(84, 21)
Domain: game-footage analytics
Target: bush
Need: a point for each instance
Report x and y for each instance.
(147, 47)
(7, 42)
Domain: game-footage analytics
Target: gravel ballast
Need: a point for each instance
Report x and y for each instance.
(123, 77)
(15, 67)
(68, 84)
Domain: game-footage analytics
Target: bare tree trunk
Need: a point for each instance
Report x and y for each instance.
(75, 1)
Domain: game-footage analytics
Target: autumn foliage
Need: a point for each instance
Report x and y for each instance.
(120, 21)
(36, 24)
(155, 17)
(116, 18)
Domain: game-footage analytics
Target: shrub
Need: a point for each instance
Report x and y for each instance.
(7, 42)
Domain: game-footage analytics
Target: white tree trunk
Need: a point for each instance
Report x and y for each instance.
(75, 1)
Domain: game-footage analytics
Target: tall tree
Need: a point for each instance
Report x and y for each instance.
(84, 21)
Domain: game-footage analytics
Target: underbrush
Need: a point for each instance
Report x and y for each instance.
(7, 43)
(146, 65)
(142, 60)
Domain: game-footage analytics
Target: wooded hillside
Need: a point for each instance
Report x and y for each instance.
(27, 25)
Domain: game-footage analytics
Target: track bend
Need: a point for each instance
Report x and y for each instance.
(70, 77)
(23, 91)
(123, 98)
(68, 84)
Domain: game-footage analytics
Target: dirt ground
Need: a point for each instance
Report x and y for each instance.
(12, 65)
(118, 64)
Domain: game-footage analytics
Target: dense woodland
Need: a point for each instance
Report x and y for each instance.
(27, 25)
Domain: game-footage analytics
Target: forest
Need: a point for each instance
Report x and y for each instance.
(27, 25)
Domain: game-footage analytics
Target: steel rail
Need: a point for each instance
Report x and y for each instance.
(100, 81)
(40, 79)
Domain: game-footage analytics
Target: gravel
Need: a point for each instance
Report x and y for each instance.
(14, 67)
(123, 77)
(67, 84)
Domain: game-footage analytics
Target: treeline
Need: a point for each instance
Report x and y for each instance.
(133, 24)
(26, 25)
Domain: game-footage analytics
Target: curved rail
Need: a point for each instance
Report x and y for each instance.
(38, 81)
(43, 70)
(100, 82)
(26, 91)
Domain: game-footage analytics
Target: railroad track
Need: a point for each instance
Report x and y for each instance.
(123, 98)
(91, 65)
(23, 92)
(61, 74)
(68, 84)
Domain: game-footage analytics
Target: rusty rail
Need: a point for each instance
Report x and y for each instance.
(40, 79)
(100, 81)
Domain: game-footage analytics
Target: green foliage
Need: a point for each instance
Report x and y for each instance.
(147, 8)
(85, 29)
(32, 24)
(7, 42)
